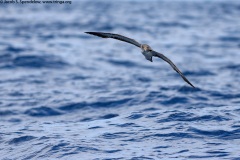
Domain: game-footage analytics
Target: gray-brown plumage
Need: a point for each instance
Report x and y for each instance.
(146, 50)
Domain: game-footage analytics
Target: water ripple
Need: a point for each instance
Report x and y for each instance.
(42, 112)
(21, 139)
(38, 62)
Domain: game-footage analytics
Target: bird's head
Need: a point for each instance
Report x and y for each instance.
(146, 47)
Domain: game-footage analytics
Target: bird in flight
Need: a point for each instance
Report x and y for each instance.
(147, 51)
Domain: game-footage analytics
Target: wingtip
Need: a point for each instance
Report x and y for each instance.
(99, 34)
(186, 80)
(93, 33)
(192, 85)
(90, 32)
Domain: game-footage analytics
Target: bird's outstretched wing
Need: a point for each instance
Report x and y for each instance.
(115, 36)
(156, 54)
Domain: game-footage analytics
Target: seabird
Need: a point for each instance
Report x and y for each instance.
(147, 51)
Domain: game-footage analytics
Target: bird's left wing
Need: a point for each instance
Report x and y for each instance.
(115, 36)
(156, 54)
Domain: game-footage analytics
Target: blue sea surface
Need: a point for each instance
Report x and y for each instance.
(67, 95)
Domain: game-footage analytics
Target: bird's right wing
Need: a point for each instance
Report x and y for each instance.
(115, 36)
(156, 54)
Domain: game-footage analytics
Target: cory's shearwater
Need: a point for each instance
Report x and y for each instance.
(147, 51)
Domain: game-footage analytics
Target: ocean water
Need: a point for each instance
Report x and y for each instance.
(68, 95)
